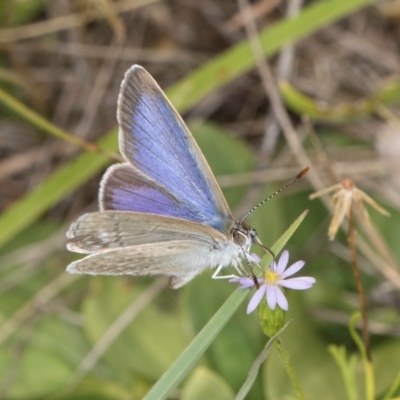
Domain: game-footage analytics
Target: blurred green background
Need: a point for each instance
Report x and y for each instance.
(61, 63)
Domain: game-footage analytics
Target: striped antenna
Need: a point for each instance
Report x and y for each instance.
(300, 175)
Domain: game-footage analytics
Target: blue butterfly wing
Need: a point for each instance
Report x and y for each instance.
(166, 172)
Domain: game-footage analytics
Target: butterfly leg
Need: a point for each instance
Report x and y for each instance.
(218, 270)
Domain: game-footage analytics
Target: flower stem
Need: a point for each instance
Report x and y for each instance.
(369, 379)
(351, 239)
(368, 366)
(289, 369)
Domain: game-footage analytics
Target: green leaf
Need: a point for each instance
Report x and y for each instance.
(53, 350)
(100, 389)
(204, 384)
(22, 11)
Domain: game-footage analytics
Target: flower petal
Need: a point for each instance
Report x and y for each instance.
(283, 260)
(281, 299)
(245, 282)
(255, 300)
(248, 284)
(301, 283)
(297, 266)
(271, 298)
(255, 258)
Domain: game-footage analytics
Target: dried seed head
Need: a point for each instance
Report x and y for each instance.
(346, 195)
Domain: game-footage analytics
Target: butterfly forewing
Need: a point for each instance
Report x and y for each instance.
(154, 139)
(94, 232)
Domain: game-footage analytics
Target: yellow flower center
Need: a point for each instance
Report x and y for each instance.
(271, 277)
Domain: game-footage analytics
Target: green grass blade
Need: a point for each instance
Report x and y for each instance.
(182, 366)
(300, 103)
(258, 362)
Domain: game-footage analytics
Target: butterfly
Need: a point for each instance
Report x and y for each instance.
(161, 211)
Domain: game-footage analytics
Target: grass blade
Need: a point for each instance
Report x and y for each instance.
(258, 362)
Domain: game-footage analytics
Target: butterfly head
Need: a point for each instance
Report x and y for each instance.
(243, 235)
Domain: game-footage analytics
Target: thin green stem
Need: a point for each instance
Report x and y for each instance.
(351, 239)
(347, 368)
(368, 365)
(284, 355)
(392, 390)
(369, 379)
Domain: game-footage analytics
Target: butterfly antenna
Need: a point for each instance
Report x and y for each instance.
(300, 175)
(267, 250)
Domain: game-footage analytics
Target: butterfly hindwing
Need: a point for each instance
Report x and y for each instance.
(180, 260)
(125, 188)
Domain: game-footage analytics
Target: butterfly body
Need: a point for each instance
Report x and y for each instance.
(161, 212)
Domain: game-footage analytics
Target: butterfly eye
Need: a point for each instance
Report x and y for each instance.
(239, 238)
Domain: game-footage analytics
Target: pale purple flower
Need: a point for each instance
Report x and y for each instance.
(274, 278)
